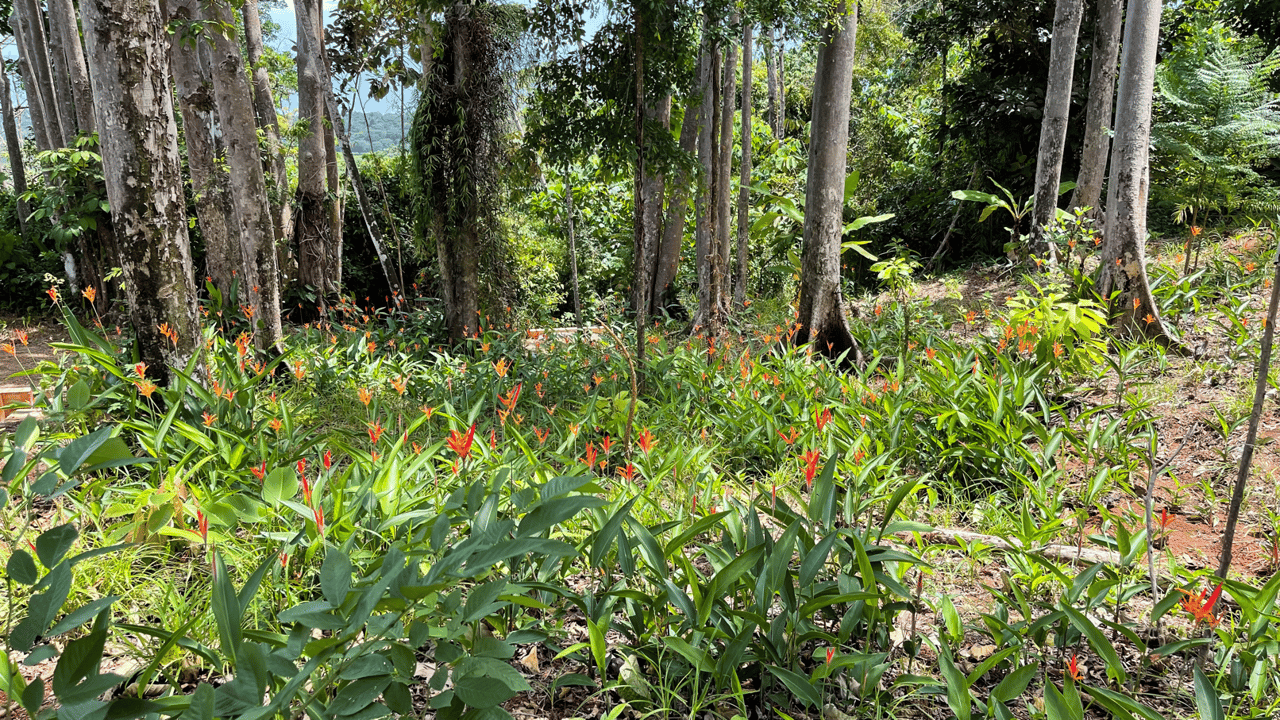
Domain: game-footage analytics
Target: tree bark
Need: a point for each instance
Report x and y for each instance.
(573, 245)
(234, 100)
(313, 221)
(665, 298)
(264, 110)
(1102, 87)
(59, 48)
(210, 182)
(823, 324)
(332, 180)
(744, 176)
(46, 129)
(724, 190)
(38, 43)
(1053, 125)
(653, 189)
(62, 17)
(13, 143)
(782, 87)
(708, 317)
(771, 73)
(127, 46)
(1123, 272)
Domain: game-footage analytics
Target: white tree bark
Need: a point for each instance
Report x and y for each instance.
(13, 143)
(264, 109)
(127, 46)
(823, 324)
(708, 317)
(1053, 125)
(313, 223)
(724, 173)
(744, 172)
(1123, 272)
(62, 17)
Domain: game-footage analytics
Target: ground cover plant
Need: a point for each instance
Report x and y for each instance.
(536, 525)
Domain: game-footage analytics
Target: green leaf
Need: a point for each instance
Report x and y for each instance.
(1014, 684)
(335, 577)
(1099, 641)
(80, 449)
(958, 698)
(1207, 701)
(798, 684)
(33, 697)
(22, 568)
(868, 220)
(975, 196)
(80, 616)
(226, 607)
(54, 543)
(27, 433)
(78, 395)
(555, 511)
(482, 601)
(1055, 705)
(358, 695)
(279, 484)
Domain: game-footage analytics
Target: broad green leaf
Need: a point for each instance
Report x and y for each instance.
(54, 543)
(335, 577)
(22, 568)
(1208, 703)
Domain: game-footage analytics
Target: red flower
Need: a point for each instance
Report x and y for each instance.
(203, 522)
(590, 460)
(460, 443)
(302, 466)
(790, 440)
(306, 490)
(646, 441)
(1201, 608)
(319, 516)
(628, 473)
(259, 472)
(821, 418)
(328, 459)
(1073, 669)
(605, 444)
(375, 433)
(831, 653)
(810, 467)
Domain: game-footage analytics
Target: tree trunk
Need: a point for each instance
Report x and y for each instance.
(62, 16)
(665, 298)
(653, 189)
(313, 221)
(33, 30)
(724, 190)
(771, 73)
(127, 46)
(1102, 87)
(708, 317)
(234, 100)
(210, 184)
(782, 87)
(59, 48)
(573, 245)
(264, 110)
(823, 324)
(1123, 272)
(47, 132)
(744, 176)
(332, 180)
(1053, 125)
(13, 143)
(643, 189)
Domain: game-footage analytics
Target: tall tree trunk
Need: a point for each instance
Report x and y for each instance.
(264, 110)
(823, 324)
(709, 316)
(771, 74)
(367, 211)
(782, 86)
(190, 60)
(1053, 124)
(313, 223)
(59, 49)
(62, 17)
(32, 20)
(653, 189)
(1102, 88)
(234, 100)
(724, 190)
(45, 129)
(127, 46)
(744, 172)
(643, 187)
(13, 143)
(573, 245)
(332, 180)
(1123, 271)
(665, 298)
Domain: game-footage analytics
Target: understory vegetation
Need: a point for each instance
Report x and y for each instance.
(534, 524)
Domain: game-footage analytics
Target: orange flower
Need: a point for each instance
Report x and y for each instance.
(590, 460)
(90, 294)
(821, 418)
(365, 396)
(52, 292)
(606, 444)
(1195, 230)
(542, 434)
(21, 335)
(810, 459)
(1150, 318)
(790, 440)
(8, 347)
(375, 433)
(1201, 608)
(319, 516)
(203, 523)
(209, 419)
(275, 424)
(400, 384)
(259, 472)
(930, 353)
(646, 441)
(460, 443)
(1137, 303)
(1073, 669)
(501, 367)
(146, 387)
(969, 316)
(298, 370)
(628, 473)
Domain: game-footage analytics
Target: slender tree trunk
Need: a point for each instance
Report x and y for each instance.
(708, 317)
(234, 100)
(45, 129)
(771, 74)
(782, 86)
(313, 221)
(1053, 125)
(573, 245)
(190, 61)
(823, 324)
(643, 188)
(62, 16)
(1123, 271)
(33, 30)
(653, 188)
(724, 191)
(367, 211)
(59, 48)
(13, 143)
(665, 298)
(1102, 87)
(332, 180)
(264, 110)
(744, 176)
(127, 47)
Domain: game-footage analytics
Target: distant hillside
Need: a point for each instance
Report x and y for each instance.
(382, 132)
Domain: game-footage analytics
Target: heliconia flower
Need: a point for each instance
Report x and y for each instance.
(284, 559)
(275, 424)
(831, 653)
(209, 418)
(259, 472)
(930, 353)
(52, 292)
(319, 516)
(1164, 518)
(1137, 303)
(417, 449)
(306, 490)
(628, 473)
(428, 411)
(328, 459)
(606, 443)
(302, 466)
(400, 384)
(810, 459)
(1073, 669)
(8, 347)
(821, 418)
(375, 432)
(203, 523)
(1195, 230)
(590, 460)
(146, 387)
(501, 367)
(375, 456)
(646, 441)
(460, 443)
(21, 335)
(1200, 608)
(493, 438)
(365, 396)
(790, 440)
(298, 370)
(542, 434)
